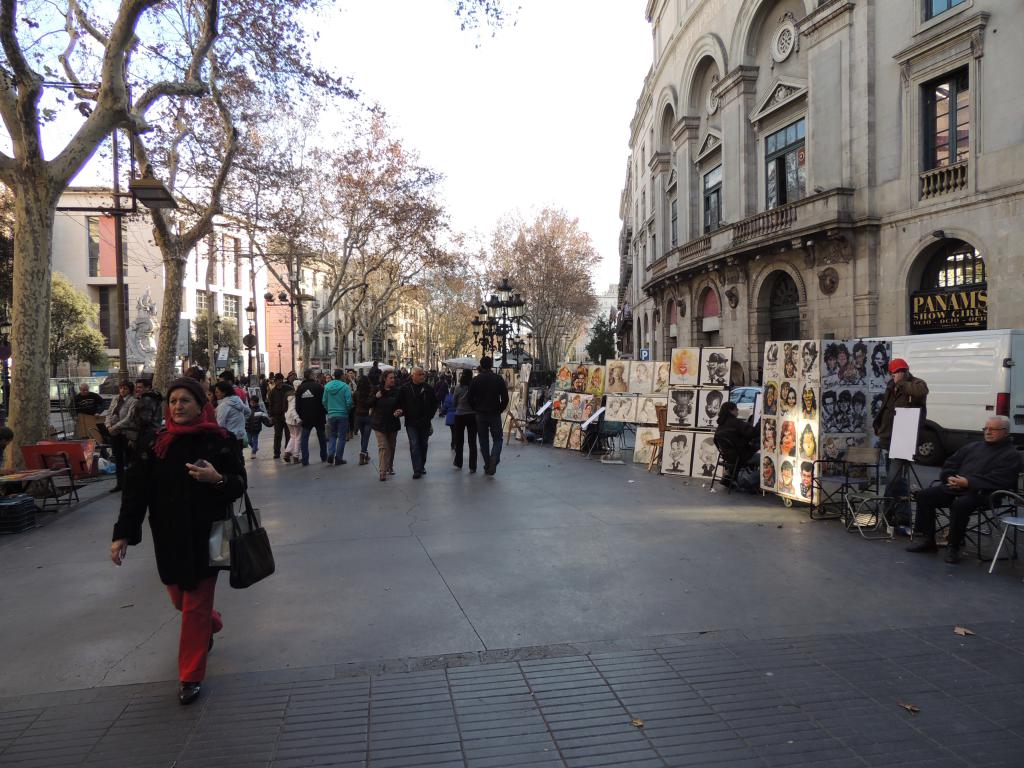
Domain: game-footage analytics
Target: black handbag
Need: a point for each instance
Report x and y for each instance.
(251, 558)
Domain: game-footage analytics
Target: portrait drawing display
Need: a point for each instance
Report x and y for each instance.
(575, 438)
(682, 407)
(641, 377)
(715, 365)
(641, 450)
(705, 458)
(616, 377)
(580, 378)
(684, 370)
(562, 434)
(563, 377)
(661, 374)
(620, 408)
(709, 404)
(596, 385)
(771, 361)
(645, 413)
(677, 454)
(559, 400)
(768, 479)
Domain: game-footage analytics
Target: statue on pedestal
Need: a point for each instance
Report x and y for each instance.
(139, 335)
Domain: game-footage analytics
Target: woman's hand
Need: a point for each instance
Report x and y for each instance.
(118, 549)
(204, 474)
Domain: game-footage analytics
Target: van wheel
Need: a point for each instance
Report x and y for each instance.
(929, 450)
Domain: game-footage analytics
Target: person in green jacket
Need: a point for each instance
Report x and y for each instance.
(337, 400)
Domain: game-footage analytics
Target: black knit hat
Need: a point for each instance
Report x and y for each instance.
(191, 385)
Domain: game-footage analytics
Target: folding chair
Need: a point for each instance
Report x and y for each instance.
(1006, 507)
(609, 437)
(62, 482)
(729, 465)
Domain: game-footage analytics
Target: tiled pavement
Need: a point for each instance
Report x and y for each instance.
(700, 700)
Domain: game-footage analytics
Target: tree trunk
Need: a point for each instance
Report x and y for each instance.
(211, 305)
(170, 312)
(29, 417)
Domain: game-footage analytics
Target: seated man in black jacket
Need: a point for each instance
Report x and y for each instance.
(735, 438)
(968, 476)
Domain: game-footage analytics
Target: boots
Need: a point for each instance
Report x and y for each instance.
(364, 458)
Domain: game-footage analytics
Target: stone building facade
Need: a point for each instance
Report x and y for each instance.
(823, 168)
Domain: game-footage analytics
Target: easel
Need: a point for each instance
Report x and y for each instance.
(903, 447)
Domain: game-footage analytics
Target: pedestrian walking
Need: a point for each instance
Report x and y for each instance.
(277, 406)
(292, 448)
(255, 423)
(148, 415)
(418, 405)
(337, 400)
(121, 428)
(188, 481)
(363, 397)
(465, 421)
(488, 397)
(309, 404)
(231, 412)
(385, 415)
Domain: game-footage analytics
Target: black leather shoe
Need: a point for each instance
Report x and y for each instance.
(953, 556)
(188, 693)
(417, 475)
(924, 546)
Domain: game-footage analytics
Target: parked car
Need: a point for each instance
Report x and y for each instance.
(744, 397)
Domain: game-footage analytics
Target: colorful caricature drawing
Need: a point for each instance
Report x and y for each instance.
(685, 367)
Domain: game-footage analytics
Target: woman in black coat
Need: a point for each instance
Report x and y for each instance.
(384, 416)
(187, 481)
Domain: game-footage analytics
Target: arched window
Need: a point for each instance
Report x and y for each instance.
(953, 265)
(710, 310)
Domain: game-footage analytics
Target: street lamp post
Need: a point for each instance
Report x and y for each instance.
(279, 358)
(249, 340)
(500, 317)
(360, 335)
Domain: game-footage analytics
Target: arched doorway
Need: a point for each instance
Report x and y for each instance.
(783, 309)
(949, 291)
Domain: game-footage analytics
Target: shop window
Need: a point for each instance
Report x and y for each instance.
(947, 116)
(933, 8)
(713, 199)
(954, 265)
(785, 165)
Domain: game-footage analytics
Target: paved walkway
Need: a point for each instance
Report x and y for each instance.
(520, 620)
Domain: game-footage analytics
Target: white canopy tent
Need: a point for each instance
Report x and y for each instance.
(457, 363)
(367, 364)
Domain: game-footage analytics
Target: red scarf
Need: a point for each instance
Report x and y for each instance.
(206, 423)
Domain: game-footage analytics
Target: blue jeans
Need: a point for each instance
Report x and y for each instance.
(364, 425)
(339, 431)
(254, 440)
(304, 443)
(488, 429)
(418, 437)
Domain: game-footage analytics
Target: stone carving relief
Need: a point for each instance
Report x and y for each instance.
(712, 100)
(828, 280)
(733, 296)
(785, 40)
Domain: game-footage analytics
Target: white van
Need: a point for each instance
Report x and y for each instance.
(970, 375)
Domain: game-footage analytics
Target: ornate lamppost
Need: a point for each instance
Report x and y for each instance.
(249, 340)
(500, 317)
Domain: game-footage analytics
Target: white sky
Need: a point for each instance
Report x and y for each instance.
(537, 115)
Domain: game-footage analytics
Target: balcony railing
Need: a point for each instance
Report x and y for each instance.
(766, 223)
(941, 181)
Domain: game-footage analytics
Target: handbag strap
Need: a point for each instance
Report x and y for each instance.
(250, 515)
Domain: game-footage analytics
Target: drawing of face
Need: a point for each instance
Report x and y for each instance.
(661, 378)
(810, 403)
(718, 368)
(842, 357)
(616, 378)
(713, 405)
(791, 399)
(828, 404)
(564, 375)
(808, 445)
(806, 474)
(768, 472)
(844, 402)
(643, 374)
(708, 453)
(771, 396)
(879, 361)
(677, 450)
(787, 477)
(809, 355)
(596, 380)
(768, 441)
(588, 409)
(788, 439)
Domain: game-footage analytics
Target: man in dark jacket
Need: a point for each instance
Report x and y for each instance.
(968, 476)
(148, 415)
(736, 439)
(488, 397)
(277, 406)
(417, 404)
(904, 390)
(309, 405)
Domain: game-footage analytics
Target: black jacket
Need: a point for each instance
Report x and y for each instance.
(180, 509)
(987, 466)
(277, 400)
(88, 404)
(309, 404)
(418, 403)
(912, 393)
(363, 397)
(737, 435)
(488, 394)
(384, 405)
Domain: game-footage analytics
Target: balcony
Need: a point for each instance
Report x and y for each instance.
(942, 181)
(826, 211)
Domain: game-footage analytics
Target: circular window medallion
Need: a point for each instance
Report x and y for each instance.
(712, 101)
(784, 41)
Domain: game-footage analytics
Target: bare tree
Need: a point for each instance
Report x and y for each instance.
(548, 260)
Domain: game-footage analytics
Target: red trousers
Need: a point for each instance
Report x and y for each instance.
(198, 623)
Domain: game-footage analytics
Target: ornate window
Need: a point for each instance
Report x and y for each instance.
(785, 165)
(674, 222)
(713, 199)
(933, 8)
(955, 264)
(947, 120)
